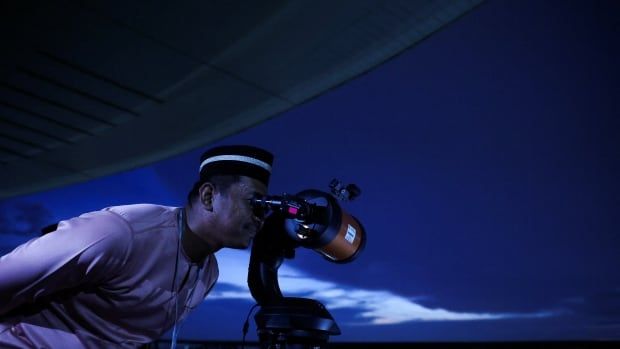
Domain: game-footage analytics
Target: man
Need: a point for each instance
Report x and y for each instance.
(122, 276)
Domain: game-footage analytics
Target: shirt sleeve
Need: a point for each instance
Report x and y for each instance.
(88, 249)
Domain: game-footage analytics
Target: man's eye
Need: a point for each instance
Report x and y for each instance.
(258, 209)
(259, 212)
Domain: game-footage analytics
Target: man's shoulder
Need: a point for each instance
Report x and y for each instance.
(144, 216)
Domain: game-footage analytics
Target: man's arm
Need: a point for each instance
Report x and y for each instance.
(88, 249)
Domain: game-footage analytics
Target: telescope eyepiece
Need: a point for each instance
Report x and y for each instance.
(287, 205)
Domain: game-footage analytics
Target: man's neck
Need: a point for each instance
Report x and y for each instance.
(194, 247)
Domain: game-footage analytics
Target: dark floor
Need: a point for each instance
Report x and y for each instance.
(416, 345)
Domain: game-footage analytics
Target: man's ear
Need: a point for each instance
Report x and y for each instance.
(206, 193)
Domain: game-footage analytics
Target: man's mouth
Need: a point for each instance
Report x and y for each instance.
(251, 230)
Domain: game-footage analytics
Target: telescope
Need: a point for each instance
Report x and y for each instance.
(311, 219)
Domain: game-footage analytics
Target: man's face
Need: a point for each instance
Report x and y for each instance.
(236, 222)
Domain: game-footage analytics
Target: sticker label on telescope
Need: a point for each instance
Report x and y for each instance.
(350, 234)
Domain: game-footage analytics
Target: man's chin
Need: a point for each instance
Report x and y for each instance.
(242, 246)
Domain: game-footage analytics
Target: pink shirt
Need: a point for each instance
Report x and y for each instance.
(102, 280)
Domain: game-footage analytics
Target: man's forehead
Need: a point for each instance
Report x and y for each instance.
(253, 185)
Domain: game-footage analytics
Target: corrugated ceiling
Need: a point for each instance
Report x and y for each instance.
(89, 88)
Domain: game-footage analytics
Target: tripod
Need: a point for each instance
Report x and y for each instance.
(295, 323)
(283, 322)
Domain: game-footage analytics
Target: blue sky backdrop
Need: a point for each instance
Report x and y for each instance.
(488, 160)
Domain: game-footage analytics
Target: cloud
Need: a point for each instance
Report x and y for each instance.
(598, 312)
(374, 307)
(23, 218)
(21, 221)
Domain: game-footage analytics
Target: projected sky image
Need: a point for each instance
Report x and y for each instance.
(488, 160)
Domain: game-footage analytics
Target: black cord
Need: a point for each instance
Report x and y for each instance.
(174, 278)
(246, 325)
